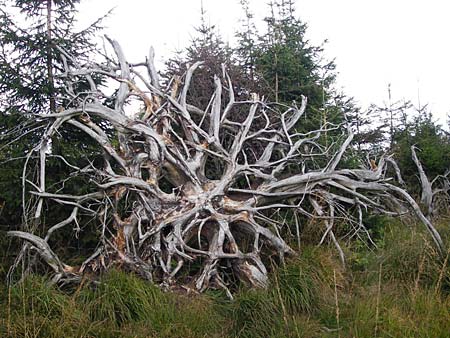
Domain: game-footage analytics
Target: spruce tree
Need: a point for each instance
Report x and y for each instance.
(286, 65)
(32, 35)
(247, 41)
(30, 61)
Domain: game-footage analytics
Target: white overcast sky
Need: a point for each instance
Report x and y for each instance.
(374, 43)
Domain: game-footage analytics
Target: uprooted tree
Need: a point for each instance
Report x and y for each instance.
(161, 210)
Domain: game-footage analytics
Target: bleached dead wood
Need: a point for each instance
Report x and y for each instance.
(429, 194)
(177, 215)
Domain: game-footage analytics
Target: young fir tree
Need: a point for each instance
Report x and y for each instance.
(286, 65)
(288, 62)
(30, 62)
(247, 41)
(393, 118)
(31, 33)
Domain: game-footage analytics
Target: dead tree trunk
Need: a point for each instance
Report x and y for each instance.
(430, 195)
(174, 214)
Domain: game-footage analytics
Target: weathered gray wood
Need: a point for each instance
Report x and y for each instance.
(427, 192)
(172, 214)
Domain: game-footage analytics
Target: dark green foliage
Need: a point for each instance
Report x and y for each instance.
(433, 145)
(288, 62)
(246, 48)
(30, 84)
(29, 61)
(286, 65)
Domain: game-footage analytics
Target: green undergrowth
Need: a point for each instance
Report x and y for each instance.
(399, 289)
(120, 305)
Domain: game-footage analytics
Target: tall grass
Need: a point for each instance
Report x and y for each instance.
(120, 305)
(401, 289)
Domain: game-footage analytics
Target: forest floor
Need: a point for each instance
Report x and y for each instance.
(401, 288)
